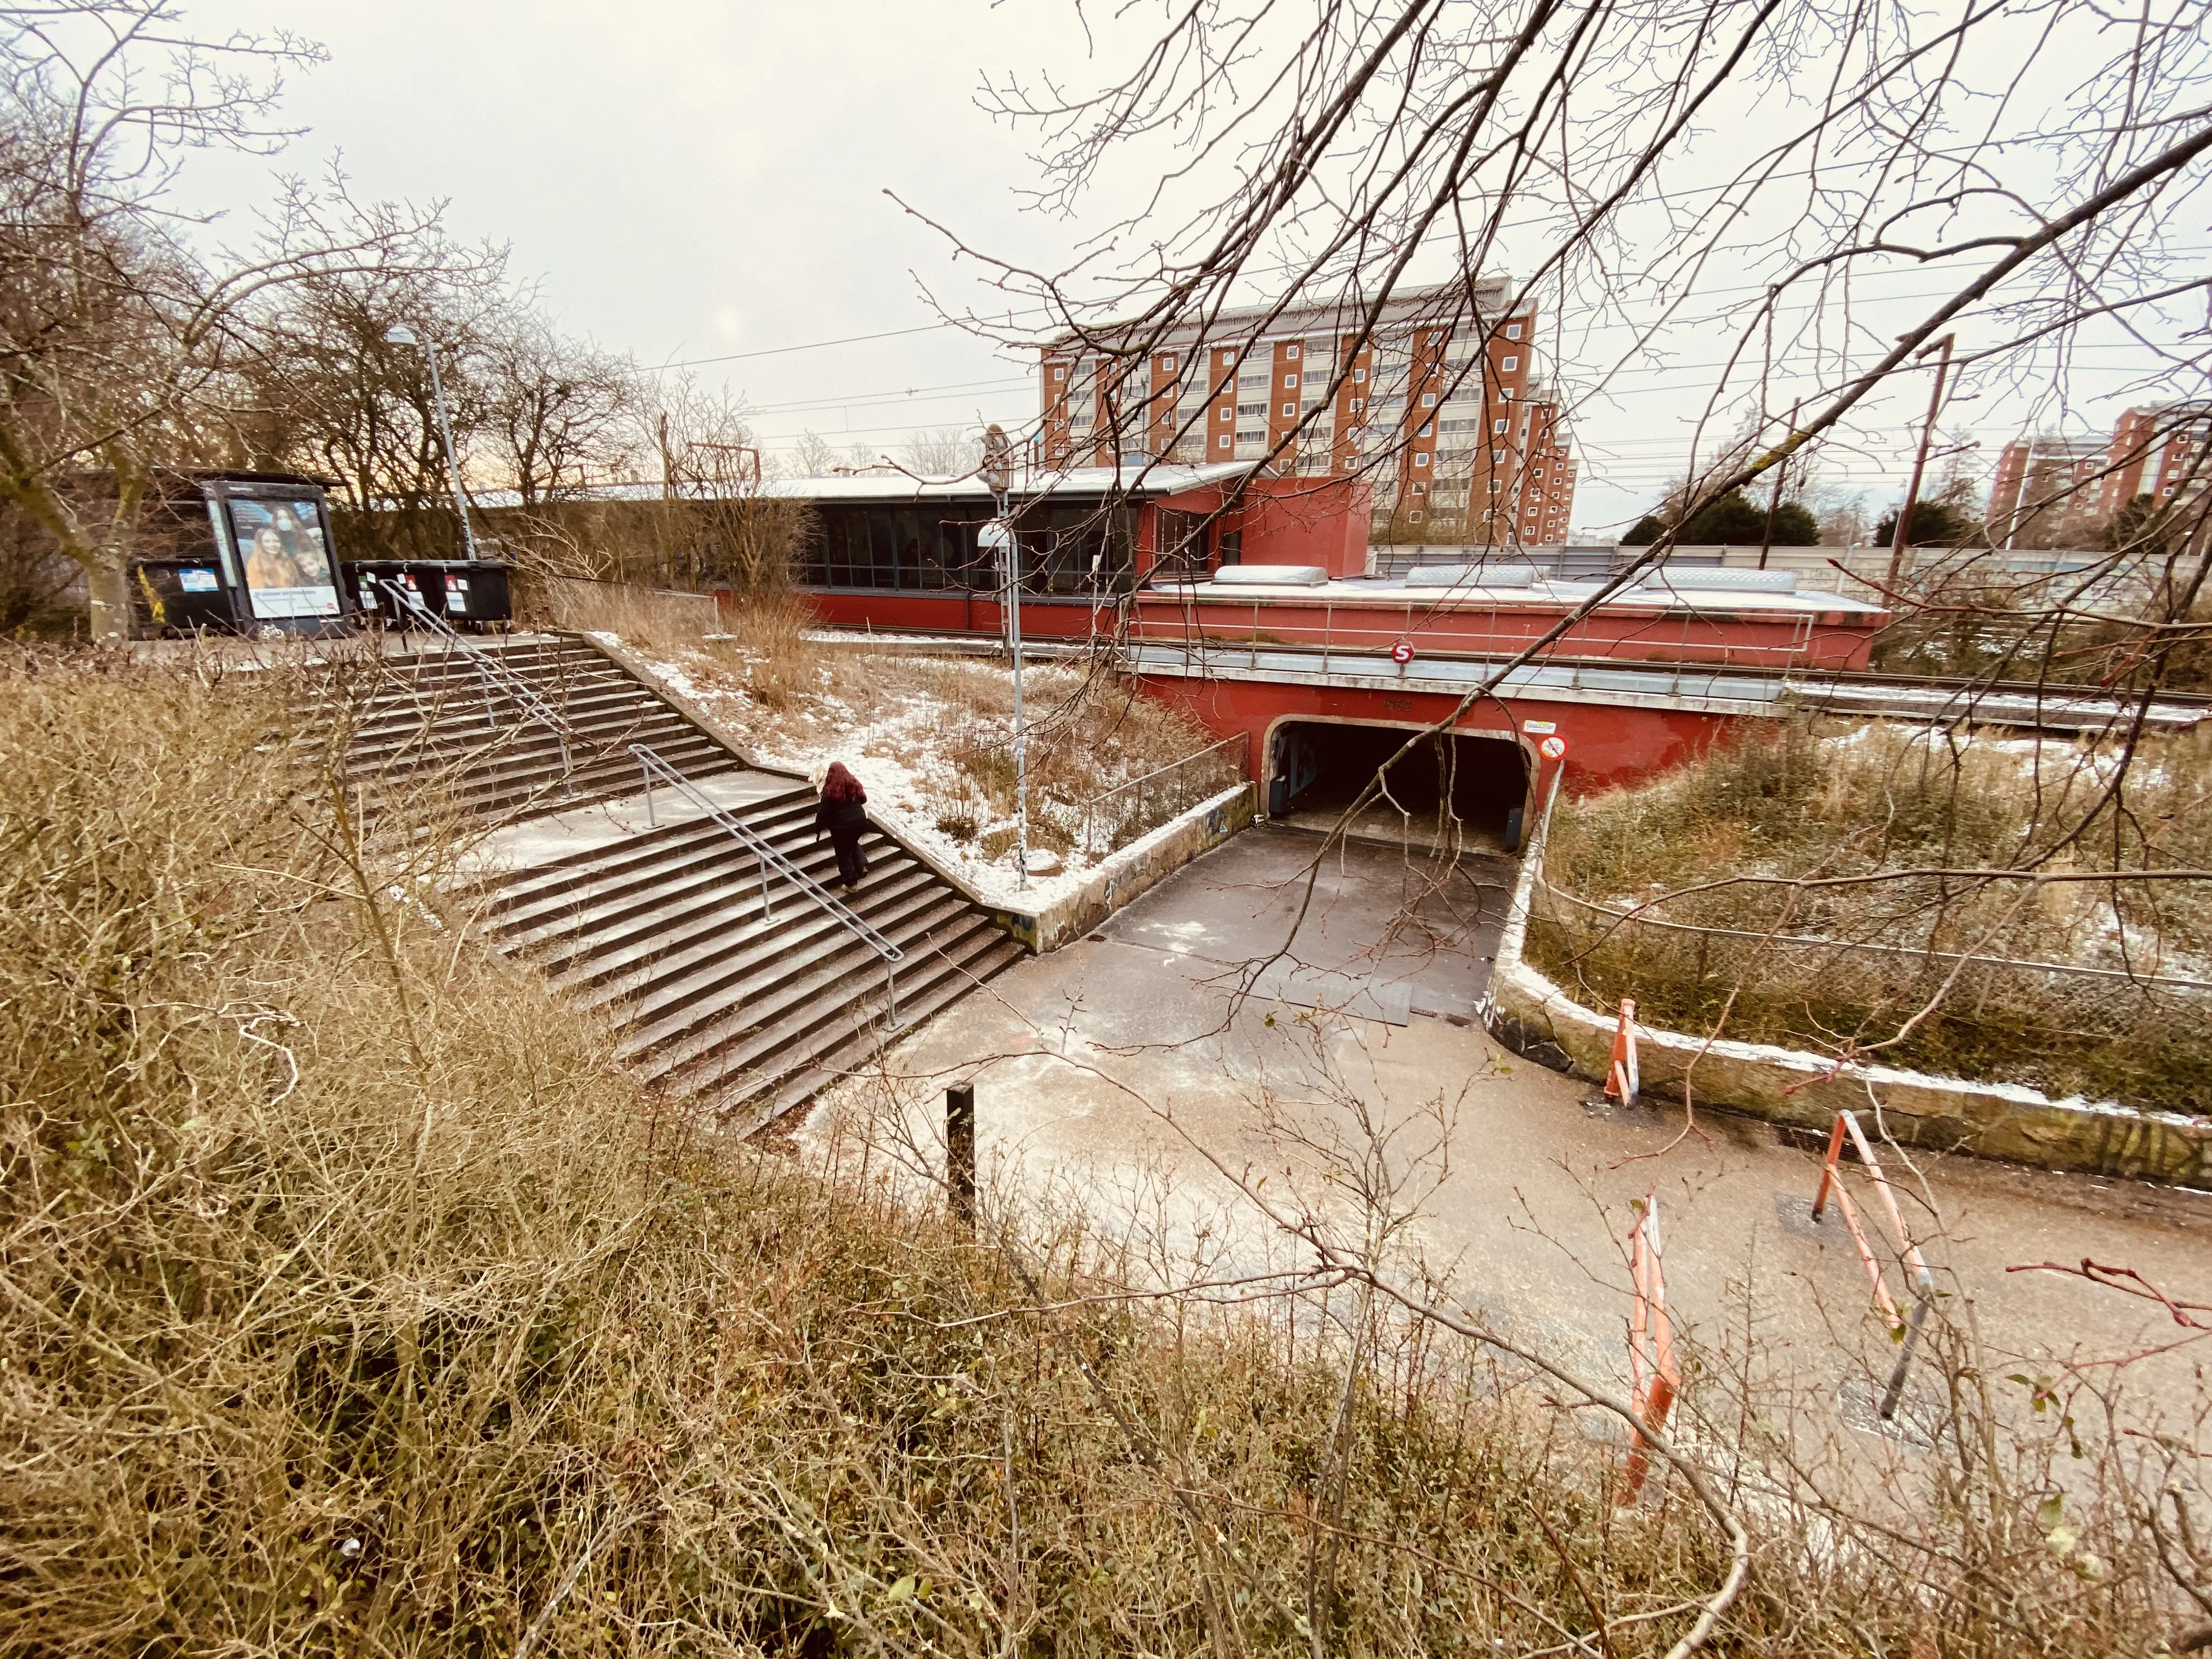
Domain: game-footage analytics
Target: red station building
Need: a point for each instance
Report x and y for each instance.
(1250, 601)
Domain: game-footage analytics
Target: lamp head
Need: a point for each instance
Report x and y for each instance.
(998, 460)
(400, 334)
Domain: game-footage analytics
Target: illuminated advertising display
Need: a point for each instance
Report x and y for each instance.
(285, 556)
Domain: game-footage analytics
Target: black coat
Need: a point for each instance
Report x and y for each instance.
(849, 817)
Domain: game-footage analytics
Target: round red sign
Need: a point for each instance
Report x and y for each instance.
(1552, 748)
(1402, 653)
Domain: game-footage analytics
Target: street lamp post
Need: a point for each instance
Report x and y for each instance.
(1903, 536)
(998, 478)
(400, 334)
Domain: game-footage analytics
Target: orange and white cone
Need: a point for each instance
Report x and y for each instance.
(1622, 1084)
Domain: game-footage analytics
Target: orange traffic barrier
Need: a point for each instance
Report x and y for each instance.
(1621, 1082)
(1653, 1381)
(1905, 1328)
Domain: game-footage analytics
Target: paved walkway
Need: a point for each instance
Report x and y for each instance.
(1105, 1068)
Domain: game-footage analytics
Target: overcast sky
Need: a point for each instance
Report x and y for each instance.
(691, 181)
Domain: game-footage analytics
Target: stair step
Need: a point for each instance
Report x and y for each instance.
(817, 992)
(714, 881)
(589, 896)
(838, 1048)
(634, 973)
(797, 989)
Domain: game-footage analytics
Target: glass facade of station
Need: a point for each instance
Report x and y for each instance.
(1070, 548)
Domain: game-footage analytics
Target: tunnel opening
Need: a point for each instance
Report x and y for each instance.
(1477, 787)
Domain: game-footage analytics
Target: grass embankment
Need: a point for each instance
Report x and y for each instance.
(355, 1303)
(1823, 802)
(940, 731)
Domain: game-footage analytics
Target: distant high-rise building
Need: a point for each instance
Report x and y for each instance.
(2054, 491)
(1442, 412)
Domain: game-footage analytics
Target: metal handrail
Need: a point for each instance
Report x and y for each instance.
(1140, 784)
(767, 858)
(497, 677)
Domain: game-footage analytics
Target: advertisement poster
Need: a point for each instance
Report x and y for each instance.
(287, 558)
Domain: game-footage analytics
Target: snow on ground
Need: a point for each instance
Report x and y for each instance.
(901, 745)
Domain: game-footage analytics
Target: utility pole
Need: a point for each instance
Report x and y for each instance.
(400, 334)
(1902, 539)
(1781, 471)
(998, 478)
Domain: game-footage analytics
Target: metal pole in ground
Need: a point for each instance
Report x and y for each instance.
(400, 334)
(998, 477)
(960, 1151)
(1903, 536)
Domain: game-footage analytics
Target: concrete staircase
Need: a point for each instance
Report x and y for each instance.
(663, 930)
(647, 910)
(428, 718)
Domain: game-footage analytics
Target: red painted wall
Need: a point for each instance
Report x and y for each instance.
(1607, 744)
(1812, 639)
(1320, 521)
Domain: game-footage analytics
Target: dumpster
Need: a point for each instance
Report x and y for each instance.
(180, 596)
(475, 592)
(372, 579)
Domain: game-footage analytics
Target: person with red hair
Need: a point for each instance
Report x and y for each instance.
(843, 812)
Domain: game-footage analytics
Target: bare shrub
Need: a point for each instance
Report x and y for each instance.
(357, 1302)
(1696, 894)
(653, 618)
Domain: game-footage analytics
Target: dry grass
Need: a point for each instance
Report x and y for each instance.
(654, 617)
(356, 1303)
(948, 724)
(1809, 800)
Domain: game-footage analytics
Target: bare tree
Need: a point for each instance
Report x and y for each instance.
(120, 339)
(944, 452)
(559, 415)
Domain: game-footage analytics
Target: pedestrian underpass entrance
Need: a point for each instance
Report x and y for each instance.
(1467, 790)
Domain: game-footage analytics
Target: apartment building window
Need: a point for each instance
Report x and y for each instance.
(1497, 488)
(1507, 364)
(1060, 371)
(1420, 489)
(1497, 456)
(1225, 440)
(1512, 330)
(1427, 426)
(1290, 351)
(1246, 436)
(1501, 425)
(1248, 411)
(1358, 405)
(1420, 460)
(1167, 363)
(1358, 375)
(1289, 411)
(1290, 383)
(1428, 400)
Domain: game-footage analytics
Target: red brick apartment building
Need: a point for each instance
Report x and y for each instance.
(2054, 491)
(1446, 416)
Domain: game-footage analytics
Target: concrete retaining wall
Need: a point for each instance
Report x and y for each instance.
(1532, 1015)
